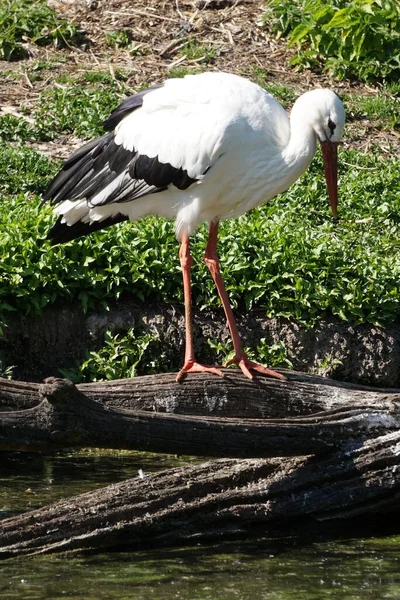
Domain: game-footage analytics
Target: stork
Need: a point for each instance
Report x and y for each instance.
(200, 149)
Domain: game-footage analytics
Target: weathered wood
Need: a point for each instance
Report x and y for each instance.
(226, 497)
(230, 396)
(73, 416)
(353, 432)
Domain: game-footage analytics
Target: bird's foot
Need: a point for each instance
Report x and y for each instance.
(245, 365)
(195, 367)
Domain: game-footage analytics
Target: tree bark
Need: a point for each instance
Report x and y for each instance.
(297, 418)
(352, 432)
(220, 498)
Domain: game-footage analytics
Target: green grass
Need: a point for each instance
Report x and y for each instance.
(118, 39)
(350, 38)
(383, 109)
(198, 52)
(23, 21)
(76, 109)
(283, 93)
(79, 107)
(179, 72)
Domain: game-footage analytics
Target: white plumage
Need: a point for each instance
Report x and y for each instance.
(199, 149)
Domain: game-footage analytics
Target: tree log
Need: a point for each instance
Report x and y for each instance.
(353, 433)
(230, 396)
(303, 418)
(221, 498)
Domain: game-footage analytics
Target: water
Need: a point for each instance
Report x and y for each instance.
(300, 566)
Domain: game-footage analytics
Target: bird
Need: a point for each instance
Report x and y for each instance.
(196, 149)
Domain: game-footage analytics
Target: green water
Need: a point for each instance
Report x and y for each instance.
(300, 566)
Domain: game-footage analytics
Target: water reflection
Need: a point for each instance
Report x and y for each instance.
(352, 569)
(29, 481)
(303, 565)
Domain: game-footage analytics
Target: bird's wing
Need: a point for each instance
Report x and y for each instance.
(165, 136)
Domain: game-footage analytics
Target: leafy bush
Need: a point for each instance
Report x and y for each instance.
(24, 21)
(121, 356)
(350, 38)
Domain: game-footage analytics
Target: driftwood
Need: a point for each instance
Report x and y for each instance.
(352, 432)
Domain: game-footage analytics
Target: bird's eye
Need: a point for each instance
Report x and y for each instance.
(332, 126)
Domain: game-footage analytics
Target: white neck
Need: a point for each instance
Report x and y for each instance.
(302, 145)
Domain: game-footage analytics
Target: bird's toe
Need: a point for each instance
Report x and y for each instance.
(247, 366)
(195, 367)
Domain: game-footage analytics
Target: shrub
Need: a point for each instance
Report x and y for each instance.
(357, 38)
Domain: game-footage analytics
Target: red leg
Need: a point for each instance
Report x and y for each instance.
(190, 365)
(240, 358)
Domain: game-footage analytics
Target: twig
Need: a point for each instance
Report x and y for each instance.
(28, 81)
(177, 62)
(174, 45)
(359, 167)
(182, 16)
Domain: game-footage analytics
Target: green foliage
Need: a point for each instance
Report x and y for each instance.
(283, 93)
(76, 109)
(121, 356)
(21, 169)
(118, 39)
(271, 355)
(34, 21)
(179, 72)
(383, 109)
(350, 38)
(195, 51)
(6, 372)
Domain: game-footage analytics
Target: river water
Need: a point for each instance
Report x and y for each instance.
(343, 565)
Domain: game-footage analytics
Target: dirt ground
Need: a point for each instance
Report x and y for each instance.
(159, 31)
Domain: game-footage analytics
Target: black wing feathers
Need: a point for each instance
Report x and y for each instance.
(127, 106)
(61, 233)
(103, 172)
(71, 171)
(159, 174)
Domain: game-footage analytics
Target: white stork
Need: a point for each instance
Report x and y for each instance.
(203, 148)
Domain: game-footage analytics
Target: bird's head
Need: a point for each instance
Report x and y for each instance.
(325, 113)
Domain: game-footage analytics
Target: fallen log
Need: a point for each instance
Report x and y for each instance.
(230, 396)
(307, 417)
(218, 499)
(353, 433)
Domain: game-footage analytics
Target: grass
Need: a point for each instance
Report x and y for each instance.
(197, 52)
(78, 106)
(32, 21)
(283, 93)
(383, 109)
(288, 257)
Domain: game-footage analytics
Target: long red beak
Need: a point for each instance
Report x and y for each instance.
(329, 154)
